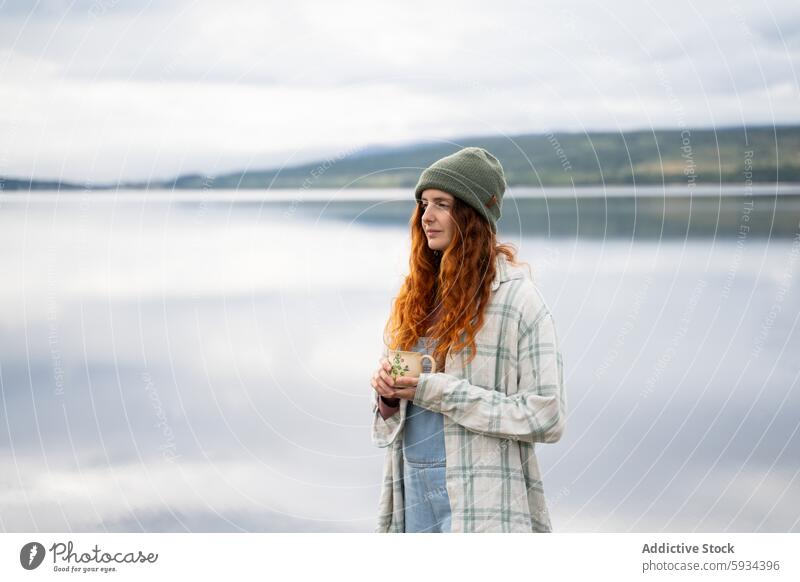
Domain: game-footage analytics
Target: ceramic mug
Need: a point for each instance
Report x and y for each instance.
(408, 363)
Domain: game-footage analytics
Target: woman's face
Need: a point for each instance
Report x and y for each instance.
(437, 220)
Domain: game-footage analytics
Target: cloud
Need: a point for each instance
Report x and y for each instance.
(111, 90)
(226, 496)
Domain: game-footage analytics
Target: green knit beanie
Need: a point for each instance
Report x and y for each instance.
(472, 175)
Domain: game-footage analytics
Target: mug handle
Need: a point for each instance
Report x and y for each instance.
(433, 362)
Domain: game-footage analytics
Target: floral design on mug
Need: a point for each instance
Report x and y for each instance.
(397, 366)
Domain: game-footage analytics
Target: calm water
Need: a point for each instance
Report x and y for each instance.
(193, 362)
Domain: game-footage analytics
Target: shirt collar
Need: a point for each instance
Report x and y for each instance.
(505, 271)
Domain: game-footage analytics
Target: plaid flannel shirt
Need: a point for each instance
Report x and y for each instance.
(495, 409)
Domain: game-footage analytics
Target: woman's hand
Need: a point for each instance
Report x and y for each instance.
(382, 381)
(393, 388)
(405, 387)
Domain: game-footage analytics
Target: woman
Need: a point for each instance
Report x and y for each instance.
(461, 441)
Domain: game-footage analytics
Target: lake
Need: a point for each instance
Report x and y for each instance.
(172, 361)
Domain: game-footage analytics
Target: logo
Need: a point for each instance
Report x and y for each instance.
(66, 559)
(31, 555)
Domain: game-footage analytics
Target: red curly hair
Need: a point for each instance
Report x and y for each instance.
(458, 280)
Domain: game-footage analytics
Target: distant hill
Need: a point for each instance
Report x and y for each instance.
(707, 156)
(23, 184)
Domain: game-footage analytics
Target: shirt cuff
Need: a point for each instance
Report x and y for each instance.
(430, 391)
(386, 410)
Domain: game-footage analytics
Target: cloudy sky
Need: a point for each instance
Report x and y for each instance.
(115, 89)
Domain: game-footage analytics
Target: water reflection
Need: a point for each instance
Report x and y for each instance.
(171, 364)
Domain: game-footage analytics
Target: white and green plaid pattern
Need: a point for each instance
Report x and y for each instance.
(495, 409)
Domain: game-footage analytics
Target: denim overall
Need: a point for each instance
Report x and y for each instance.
(427, 505)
